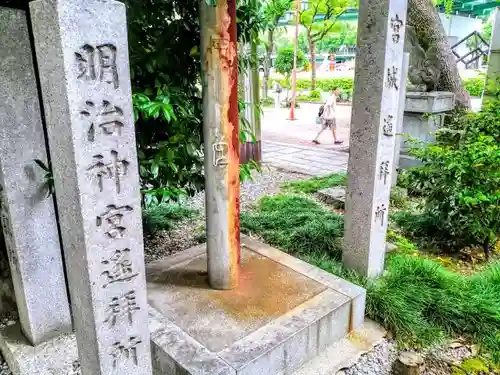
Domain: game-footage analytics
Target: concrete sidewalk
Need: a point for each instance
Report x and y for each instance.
(309, 160)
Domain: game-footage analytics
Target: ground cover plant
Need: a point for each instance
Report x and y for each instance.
(421, 301)
(164, 216)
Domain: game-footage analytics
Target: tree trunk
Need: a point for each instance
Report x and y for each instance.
(424, 17)
(312, 51)
(267, 62)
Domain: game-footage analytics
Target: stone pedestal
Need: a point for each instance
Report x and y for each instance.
(283, 314)
(424, 114)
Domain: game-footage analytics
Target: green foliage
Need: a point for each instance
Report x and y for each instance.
(460, 178)
(313, 96)
(284, 61)
(474, 86)
(267, 102)
(295, 224)
(48, 183)
(422, 303)
(399, 197)
(313, 185)
(165, 69)
(419, 300)
(330, 10)
(164, 216)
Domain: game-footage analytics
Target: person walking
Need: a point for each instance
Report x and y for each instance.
(328, 116)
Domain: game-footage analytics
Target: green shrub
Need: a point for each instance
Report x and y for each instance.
(267, 102)
(315, 94)
(164, 216)
(460, 178)
(474, 86)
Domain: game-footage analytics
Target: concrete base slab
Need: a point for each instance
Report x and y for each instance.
(284, 313)
(345, 353)
(55, 357)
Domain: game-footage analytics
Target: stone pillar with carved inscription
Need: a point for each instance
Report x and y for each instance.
(27, 213)
(381, 29)
(221, 139)
(82, 53)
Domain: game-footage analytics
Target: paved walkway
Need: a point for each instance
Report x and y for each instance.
(309, 160)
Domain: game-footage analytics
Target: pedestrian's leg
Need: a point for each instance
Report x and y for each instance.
(315, 140)
(334, 132)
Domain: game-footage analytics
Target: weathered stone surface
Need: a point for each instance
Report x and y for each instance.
(58, 356)
(424, 71)
(429, 102)
(333, 196)
(401, 111)
(251, 330)
(409, 363)
(82, 53)
(424, 115)
(381, 35)
(492, 84)
(28, 215)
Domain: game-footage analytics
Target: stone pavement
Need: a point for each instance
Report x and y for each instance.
(277, 128)
(310, 160)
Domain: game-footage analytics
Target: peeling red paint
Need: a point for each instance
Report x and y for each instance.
(227, 34)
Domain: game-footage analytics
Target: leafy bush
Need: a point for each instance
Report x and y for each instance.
(284, 60)
(267, 102)
(313, 96)
(460, 179)
(474, 86)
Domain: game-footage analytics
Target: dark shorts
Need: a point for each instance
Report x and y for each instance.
(332, 124)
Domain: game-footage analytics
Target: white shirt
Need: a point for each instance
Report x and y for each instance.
(330, 108)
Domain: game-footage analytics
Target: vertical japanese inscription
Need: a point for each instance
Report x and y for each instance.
(103, 118)
(126, 349)
(219, 149)
(392, 78)
(388, 126)
(396, 25)
(98, 63)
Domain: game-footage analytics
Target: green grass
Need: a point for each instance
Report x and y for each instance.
(296, 224)
(418, 299)
(315, 184)
(164, 216)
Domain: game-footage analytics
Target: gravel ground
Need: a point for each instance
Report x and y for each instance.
(381, 359)
(190, 232)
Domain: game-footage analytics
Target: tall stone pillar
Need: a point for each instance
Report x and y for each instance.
(379, 58)
(221, 139)
(82, 54)
(27, 213)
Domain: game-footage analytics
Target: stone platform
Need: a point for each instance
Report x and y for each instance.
(284, 314)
